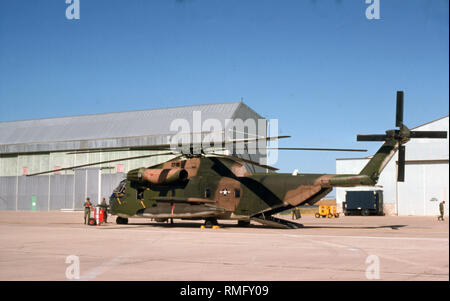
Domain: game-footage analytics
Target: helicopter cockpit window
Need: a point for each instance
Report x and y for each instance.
(121, 188)
(207, 193)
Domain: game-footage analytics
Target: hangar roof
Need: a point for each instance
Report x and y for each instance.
(122, 129)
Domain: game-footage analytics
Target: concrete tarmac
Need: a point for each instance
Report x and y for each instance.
(36, 245)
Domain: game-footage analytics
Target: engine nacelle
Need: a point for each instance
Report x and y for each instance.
(158, 176)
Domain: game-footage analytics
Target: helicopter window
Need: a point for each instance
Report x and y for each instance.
(176, 164)
(122, 187)
(207, 193)
(140, 194)
(237, 193)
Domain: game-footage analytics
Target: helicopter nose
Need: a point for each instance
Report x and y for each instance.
(113, 203)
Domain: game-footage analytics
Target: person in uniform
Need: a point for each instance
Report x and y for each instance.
(87, 210)
(104, 206)
(441, 211)
(295, 213)
(298, 213)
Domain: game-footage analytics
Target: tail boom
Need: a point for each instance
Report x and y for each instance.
(371, 172)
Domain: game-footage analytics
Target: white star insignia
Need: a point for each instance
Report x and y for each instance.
(225, 192)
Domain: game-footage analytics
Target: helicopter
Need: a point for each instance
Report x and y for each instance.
(203, 185)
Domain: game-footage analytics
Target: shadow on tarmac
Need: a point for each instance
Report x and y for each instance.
(251, 226)
(393, 227)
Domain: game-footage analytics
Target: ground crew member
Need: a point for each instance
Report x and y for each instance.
(87, 210)
(104, 206)
(441, 211)
(295, 213)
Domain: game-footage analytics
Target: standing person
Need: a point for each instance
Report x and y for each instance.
(441, 211)
(104, 206)
(87, 210)
(296, 213)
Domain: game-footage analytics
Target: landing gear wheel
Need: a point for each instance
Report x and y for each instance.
(121, 220)
(210, 222)
(243, 223)
(317, 215)
(330, 215)
(92, 222)
(365, 212)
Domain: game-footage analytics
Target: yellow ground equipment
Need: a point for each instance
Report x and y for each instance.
(327, 211)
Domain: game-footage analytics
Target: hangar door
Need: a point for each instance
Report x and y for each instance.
(425, 186)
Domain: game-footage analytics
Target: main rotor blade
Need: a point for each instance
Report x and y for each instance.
(245, 140)
(371, 137)
(401, 164)
(118, 149)
(428, 134)
(235, 158)
(399, 111)
(319, 149)
(168, 147)
(161, 147)
(97, 163)
(309, 149)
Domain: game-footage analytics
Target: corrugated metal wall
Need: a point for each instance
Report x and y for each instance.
(55, 192)
(8, 193)
(61, 191)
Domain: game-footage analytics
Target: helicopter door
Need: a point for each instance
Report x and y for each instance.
(228, 193)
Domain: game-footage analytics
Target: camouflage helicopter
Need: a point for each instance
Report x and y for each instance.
(211, 187)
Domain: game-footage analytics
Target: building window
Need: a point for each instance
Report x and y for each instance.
(119, 168)
(24, 171)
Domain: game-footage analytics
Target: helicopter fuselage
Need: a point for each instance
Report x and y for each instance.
(219, 188)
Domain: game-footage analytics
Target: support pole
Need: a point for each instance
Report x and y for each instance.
(99, 185)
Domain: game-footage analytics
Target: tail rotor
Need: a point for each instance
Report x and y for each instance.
(402, 135)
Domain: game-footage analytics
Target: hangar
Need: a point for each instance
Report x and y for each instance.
(32, 146)
(426, 176)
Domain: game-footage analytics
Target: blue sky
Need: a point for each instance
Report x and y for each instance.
(319, 66)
